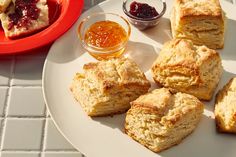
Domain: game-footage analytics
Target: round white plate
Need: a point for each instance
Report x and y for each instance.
(104, 137)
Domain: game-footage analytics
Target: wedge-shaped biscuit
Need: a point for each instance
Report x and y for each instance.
(187, 68)
(225, 108)
(19, 21)
(108, 87)
(4, 4)
(159, 119)
(202, 21)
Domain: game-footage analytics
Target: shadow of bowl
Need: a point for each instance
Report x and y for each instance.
(143, 54)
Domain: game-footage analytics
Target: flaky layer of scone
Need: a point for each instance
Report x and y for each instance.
(33, 26)
(203, 22)
(159, 119)
(107, 87)
(185, 67)
(225, 108)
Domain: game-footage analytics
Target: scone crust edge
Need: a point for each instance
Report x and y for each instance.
(187, 68)
(168, 121)
(219, 121)
(99, 83)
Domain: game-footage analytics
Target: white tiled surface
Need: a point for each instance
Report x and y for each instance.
(26, 129)
(30, 100)
(23, 134)
(20, 154)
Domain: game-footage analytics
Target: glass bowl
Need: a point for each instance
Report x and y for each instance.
(102, 53)
(144, 23)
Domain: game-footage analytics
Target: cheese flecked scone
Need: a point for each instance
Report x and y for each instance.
(225, 108)
(108, 87)
(25, 21)
(159, 119)
(185, 67)
(202, 21)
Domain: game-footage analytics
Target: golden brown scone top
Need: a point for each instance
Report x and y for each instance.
(170, 107)
(181, 54)
(198, 8)
(115, 74)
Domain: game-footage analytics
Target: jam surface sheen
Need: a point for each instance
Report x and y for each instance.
(142, 10)
(25, 12)
(105, 34)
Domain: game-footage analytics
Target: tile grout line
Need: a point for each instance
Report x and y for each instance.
(6, 103)
(38, 151)
(26, 86)
(25, 118)
(44, 132)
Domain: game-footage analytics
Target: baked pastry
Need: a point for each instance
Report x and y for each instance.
(202, 21)
(108, 87)
(4, 4)
(225, 108)
(159, 119)
(185, 67)
(24, 17)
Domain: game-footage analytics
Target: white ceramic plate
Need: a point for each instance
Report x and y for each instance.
(104, 137)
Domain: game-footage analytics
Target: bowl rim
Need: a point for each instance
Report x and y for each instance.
(145, 19)
(107, 49)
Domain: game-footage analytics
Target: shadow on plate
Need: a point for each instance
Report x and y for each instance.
(161, 33)
(229, 51)
(207, 141)
(115, 122)
(226, 76)
(143, 54)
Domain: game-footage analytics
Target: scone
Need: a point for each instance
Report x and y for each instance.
(108, 87)
(4, 4)
(202, 21)
(24, 17)
(159, 119)
(225, 108)
(185, 67)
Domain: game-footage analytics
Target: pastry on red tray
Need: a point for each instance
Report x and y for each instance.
(4, 4)
(24, 17)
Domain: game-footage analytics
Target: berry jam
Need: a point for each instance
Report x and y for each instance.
(142, 10)
(25, 12)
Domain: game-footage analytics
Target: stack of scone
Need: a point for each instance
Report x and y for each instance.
(188, 68)
(20, 18)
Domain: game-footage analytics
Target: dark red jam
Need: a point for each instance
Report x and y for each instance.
(25, 12)
(142, 10)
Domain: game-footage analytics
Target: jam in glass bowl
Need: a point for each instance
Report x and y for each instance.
(144, 14)
(104, 35)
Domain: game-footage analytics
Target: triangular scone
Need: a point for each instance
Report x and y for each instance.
(108, 87)
(159, 119)
(24, 17)
(188, 68)
(4, 4)
(225, 108)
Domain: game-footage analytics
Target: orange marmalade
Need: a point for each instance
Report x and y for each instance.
(107, 35)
